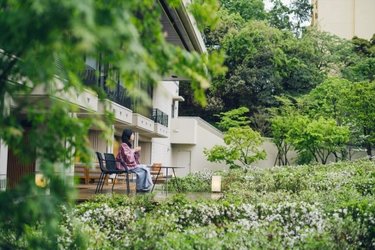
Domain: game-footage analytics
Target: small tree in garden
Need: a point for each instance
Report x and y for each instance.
(361, 109)
(281, 126)
(282, 123)
(233, 118)
(242, 143)
(328, 100)
(321, 137)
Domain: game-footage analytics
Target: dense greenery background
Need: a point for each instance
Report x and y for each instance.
(275, 68)
(270, 54)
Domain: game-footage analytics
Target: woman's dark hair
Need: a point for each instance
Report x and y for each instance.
(126, 136)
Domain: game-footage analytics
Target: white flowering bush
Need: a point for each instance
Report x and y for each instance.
(300, 207)
(199, 181)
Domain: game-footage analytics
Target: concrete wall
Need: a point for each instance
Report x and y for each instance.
(345, 18)
(184, 131)
(271, 151)
(189, 153)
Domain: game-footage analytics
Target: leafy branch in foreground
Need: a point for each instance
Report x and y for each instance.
(42, 49)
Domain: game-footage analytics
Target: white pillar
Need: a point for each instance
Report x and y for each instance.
(3, 165)
(109, 147)
(136, 138)
(69, 172)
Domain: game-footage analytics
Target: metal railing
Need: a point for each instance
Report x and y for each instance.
(89, 77)
(160, 117)
(118, 95)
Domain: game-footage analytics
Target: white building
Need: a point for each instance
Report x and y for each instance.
(345, 18)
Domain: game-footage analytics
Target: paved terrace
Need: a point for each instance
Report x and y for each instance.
(85, 192)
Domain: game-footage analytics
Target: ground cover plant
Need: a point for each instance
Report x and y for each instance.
(289, 207)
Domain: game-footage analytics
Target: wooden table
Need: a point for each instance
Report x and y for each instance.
(166, 176)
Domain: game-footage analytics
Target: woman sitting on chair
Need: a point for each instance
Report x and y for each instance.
(130, 157)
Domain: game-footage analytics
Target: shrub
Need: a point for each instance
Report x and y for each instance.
(301, 207)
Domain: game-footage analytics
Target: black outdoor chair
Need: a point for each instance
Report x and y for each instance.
(111, 166)
(108, 170)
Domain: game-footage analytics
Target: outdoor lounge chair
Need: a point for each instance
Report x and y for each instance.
(109, 169)
(111, 165)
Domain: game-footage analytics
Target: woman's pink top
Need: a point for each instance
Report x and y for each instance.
(126, 155)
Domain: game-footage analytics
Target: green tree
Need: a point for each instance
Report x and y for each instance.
(262, 62)
(227, 21)
(233, 119)
(282, 125)
(242, 144)
(301, 13)
(279, 16)
(321, 137)
(329, 100)
(360, 107)
(42, 46)
(362, 69)
(290, 17)
(332, 54)
(247, 9)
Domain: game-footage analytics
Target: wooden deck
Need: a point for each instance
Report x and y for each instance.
(85, 192)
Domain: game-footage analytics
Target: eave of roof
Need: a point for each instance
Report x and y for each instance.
(181, 28)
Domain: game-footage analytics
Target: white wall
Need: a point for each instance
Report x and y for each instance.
(345, 18)
(271, 151)
(206, 137)
(163, 100)
(184, 130)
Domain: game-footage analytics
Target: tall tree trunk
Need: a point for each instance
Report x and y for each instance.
(368, 148)
(368, 144)
(336, 156)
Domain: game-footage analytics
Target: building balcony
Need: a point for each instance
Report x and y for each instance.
(89, 77)
(160, 131)
(118, 95)
(160, 117)
(85, 101)
(123, 116)
(142, 124)
(128, 113)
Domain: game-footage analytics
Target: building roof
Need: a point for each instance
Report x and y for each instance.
(181, 30)
(181, 27)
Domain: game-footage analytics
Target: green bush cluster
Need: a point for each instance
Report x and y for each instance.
(199, 181)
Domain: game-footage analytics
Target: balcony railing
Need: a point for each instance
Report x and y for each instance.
(89, 77)
(118, 95)
(160, 117)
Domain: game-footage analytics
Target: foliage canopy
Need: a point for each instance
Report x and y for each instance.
(43, 46)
